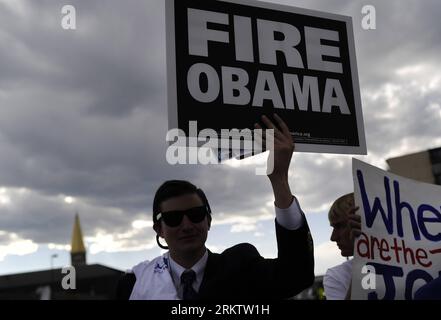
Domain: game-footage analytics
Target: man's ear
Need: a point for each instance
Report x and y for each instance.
(158, 229)
(209, 221)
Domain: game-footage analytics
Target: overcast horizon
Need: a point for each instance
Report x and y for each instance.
(83, 120)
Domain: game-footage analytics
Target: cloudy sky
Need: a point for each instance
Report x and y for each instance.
(83, 119)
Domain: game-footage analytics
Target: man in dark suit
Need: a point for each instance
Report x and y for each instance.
(182, 217)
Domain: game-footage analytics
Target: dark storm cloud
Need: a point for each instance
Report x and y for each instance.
(115, 55)
(84, 113)
(72, 126)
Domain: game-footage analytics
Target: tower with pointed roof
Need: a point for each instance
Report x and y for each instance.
(78, 250)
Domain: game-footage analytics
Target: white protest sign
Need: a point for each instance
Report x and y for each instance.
(400, 247)
(229, 62)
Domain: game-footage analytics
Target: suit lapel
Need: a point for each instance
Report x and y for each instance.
(211, 269)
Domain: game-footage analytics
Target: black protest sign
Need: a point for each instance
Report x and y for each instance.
(230, 62)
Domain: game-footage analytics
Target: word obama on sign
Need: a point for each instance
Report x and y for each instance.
(229, 63)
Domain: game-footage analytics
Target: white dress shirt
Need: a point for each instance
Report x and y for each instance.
(290, 218)
(176, 271)
(337, 280)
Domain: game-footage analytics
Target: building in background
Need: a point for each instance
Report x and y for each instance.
(93, 282)
(424, 166)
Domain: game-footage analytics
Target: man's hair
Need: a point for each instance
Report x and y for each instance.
(175, 188)
(341, 206)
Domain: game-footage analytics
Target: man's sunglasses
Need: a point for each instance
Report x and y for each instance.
(174, 218)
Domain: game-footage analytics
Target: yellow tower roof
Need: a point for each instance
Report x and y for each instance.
(77, 245)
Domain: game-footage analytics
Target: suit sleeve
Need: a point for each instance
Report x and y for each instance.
(294, 266)
(287, 275)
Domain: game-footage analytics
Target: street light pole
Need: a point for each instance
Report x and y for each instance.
(53, 256)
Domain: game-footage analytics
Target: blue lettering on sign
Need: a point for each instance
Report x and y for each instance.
(388, 272)
(400, 205)
(418, 221)
(411, 278)
(421, 221)
(369, 213)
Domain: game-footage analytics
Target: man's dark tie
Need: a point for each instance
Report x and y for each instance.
(187, 279)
